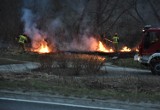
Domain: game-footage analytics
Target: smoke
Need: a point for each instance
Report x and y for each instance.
(44, 20)
(30, 27)
(86, 44)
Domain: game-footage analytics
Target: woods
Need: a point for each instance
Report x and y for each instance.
(65, 20)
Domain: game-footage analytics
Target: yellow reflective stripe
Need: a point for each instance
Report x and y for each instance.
(115, 39)
(22, 39)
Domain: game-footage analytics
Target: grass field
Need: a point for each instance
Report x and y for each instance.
(128, 62)
(81, 80)
(132, 88)
(8, 61)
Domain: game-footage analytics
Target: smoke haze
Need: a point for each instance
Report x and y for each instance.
(43, 19)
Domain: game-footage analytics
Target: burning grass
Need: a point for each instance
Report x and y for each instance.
(102, 48)
(42, 48)
(125, 49)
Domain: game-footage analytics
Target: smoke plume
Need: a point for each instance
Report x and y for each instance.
(53, 20)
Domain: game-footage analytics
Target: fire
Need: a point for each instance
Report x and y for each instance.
(42, 48)
(125, 49)
(137, 50)
(102, 48)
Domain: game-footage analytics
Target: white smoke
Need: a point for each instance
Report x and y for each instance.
(28, 19)
(56, 23)
(30, 29)
(55, 30)
(86, 44)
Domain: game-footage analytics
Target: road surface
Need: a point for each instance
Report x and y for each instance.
(19, 104)
(38, 101)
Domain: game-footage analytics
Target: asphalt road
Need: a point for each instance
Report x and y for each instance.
(38, 101)
(19, 104)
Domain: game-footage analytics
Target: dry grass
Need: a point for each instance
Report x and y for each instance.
(129, 87)
(77, 75)
(128, 62)
(130, 83)
(67, 64)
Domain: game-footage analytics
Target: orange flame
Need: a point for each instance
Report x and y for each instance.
(102, 48)
(43, 48)
(125, 49)
(137, 50)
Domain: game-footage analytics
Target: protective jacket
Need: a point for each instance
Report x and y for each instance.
(115, 39)
(22, 39)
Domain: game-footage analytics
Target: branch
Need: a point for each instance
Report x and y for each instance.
(77, 24)
(105, 6)
(154, 10)
(136, 10)
(113, 8)
(134, 17)
(117, 19)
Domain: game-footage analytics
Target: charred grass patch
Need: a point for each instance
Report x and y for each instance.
(131, 87)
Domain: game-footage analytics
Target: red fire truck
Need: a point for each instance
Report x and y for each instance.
(149, 49)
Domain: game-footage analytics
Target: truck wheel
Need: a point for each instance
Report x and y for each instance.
(155, 66)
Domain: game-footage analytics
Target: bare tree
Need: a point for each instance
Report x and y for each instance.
(77, 24)
(154, 10)
(139, 18)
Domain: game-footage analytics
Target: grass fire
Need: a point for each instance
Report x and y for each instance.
(83, 52)
(42, 47)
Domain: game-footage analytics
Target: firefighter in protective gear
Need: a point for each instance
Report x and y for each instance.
(22, 40)
(115, 41)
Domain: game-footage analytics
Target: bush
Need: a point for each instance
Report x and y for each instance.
(93, 64)
(46, 62)
(68, 64)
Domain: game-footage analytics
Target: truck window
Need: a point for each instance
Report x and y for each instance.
(146, 40)
(154, 37)
(151, 38)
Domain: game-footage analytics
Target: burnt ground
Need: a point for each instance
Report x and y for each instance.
(112, 54)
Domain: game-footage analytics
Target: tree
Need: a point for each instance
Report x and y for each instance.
(154, 10)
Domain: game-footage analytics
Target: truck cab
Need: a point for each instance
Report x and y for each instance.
(149, 49)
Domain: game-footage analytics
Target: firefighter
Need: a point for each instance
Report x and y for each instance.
(115, 39)
(22, 40)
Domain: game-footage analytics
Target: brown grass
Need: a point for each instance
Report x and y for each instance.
(130, 83)
(67, 64)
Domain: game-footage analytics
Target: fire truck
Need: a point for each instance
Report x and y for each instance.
(149, 49)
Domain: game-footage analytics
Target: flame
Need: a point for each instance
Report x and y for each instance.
(43, 47)
(137, 50)
(102, 48)
(125, 49)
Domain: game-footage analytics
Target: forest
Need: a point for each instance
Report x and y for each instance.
(65, 21)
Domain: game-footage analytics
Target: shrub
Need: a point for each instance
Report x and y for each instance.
(70, 64)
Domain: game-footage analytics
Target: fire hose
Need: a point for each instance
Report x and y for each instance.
(108, 40)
